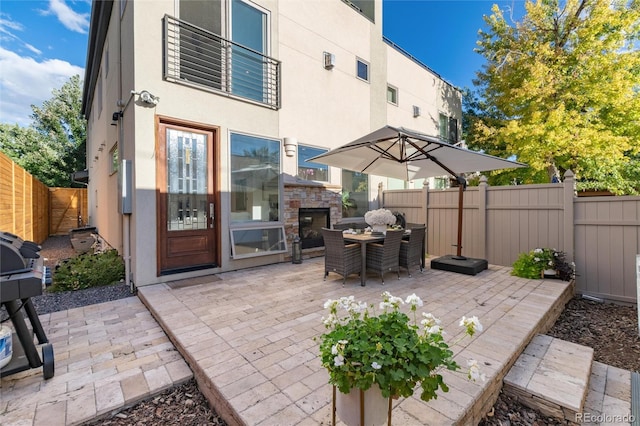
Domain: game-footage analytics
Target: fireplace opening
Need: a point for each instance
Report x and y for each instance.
(311, 221)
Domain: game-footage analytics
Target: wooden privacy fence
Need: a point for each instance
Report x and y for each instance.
(31, 210)
(601, 234)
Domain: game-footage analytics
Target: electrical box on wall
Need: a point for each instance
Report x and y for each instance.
(126, 187)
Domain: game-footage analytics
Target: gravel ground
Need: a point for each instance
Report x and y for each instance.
(610, 329)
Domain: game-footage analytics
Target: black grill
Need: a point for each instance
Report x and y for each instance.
(23, 276)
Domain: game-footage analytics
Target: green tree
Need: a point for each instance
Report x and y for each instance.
(561, 90)
(54, 145)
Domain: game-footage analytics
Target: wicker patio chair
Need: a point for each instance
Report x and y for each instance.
(341, 258)
(412, 251)
(349, 225)
(385, 257)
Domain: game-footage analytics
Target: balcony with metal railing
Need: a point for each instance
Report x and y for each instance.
(196, 57)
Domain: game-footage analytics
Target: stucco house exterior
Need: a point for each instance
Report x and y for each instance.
(201, 115)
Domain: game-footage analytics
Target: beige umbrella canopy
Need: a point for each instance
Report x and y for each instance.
(407, 154)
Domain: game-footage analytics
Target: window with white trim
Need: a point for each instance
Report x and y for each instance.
(392, 95)
(309, 170)
(362, 69)
(448, 127)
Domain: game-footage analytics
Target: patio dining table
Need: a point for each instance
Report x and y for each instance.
(363, 239)
(368, 237)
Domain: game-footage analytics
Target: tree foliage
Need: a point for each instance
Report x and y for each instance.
(561, 90)
(53, 146)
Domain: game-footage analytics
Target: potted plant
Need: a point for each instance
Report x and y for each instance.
(543, 262)
(379, 219)
(387, 352)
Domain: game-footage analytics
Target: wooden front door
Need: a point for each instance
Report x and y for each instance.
(188, 231)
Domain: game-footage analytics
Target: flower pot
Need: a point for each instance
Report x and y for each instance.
(549, 273)
(376, 407)
(379, 228)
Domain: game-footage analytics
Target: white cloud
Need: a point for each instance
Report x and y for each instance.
(33, 49)
(6, 22)
(78, 22)
(24, 82)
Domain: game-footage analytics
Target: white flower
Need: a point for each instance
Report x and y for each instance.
(537, 259)
(538, 250)
(343, 342)
(338, 360)
(380, 217)
(330, 321)
(414, 300)
(436, 329)
(345, 302)
(429, 320)
(390, 301)
(472, 324)
(474, 371)
(334, 350)
(376, 366)
(329, 303)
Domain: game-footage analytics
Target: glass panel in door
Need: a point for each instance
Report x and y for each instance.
(187, 192)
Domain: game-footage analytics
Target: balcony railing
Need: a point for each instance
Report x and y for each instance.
(201, 58)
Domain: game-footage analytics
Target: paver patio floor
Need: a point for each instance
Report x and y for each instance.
(249, 335)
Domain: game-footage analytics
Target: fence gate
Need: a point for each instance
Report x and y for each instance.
(67, 209)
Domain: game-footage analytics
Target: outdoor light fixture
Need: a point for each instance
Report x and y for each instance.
(146, 98)
(296, 250)
(290, 145)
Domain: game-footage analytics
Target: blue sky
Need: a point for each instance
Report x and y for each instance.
(44, 43)
(443, 33)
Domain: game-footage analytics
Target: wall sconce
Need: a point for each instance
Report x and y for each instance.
(290, 145)
(416, 111)
(329, 60)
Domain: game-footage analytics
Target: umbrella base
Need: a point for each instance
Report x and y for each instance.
(461, 265)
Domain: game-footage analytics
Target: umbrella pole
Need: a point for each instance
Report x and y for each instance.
(459, 255)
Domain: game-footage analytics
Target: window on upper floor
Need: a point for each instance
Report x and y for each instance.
(392, 95)
(448, 127)
(309, 170)
(231, 54)
(362, 69)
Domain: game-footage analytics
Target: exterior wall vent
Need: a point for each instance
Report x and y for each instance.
(329, 60)
(416, 111)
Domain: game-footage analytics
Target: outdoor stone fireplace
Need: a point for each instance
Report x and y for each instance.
(309, 206)
(310, 224)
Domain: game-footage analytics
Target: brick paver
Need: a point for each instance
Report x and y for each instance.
(106, 355)
(249, 334)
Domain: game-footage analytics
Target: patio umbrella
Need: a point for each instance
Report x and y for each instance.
(407, 154)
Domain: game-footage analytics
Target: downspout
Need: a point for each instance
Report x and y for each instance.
(126, 224)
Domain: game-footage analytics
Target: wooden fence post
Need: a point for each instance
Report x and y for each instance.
(482, 216)
(568, 213)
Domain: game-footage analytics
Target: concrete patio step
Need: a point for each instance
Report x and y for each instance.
(551, 376)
